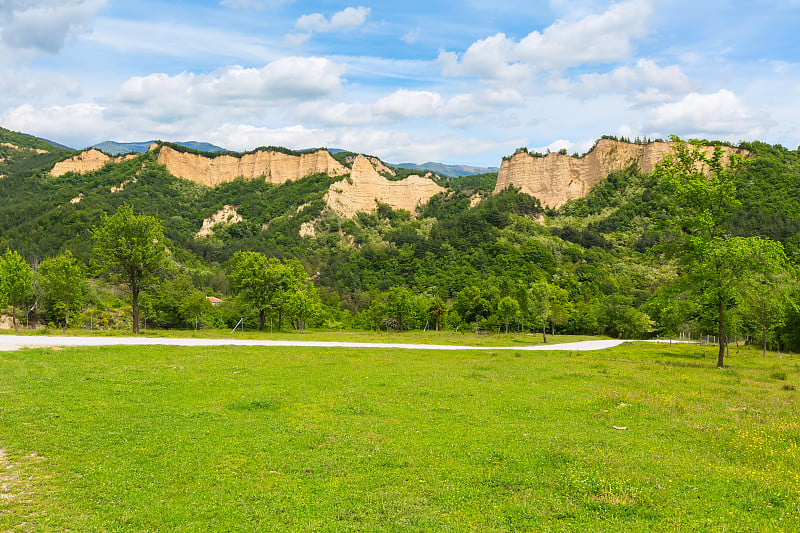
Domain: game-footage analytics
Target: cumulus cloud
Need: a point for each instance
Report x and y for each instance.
(572, 147)
(645, 81)
(717, 115)
(593, 39)
(286, 79)
(36, 26)
(404, 104)
(72, 124)
(345, 20)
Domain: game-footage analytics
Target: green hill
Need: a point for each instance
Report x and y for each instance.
(468, 252)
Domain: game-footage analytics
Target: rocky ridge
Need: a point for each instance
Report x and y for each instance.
(275, 167)
(366, 187)
(556, 178)
(86, 161)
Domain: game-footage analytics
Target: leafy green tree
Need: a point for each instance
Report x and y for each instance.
(400, 304)
(302, 299)
(436, 311)
(257, 279)
(669, 310)
(765, 304)
(63, 280)
(541, 296)
(508, 309)
(131, 248)
(16, 281)
(712, 263)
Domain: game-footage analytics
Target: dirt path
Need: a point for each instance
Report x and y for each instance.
(13, 342)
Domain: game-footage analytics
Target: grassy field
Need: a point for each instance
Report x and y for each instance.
(636, 438)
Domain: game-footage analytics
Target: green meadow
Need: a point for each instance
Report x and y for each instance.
(637, 438)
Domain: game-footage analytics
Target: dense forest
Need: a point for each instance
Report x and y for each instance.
(468, 259)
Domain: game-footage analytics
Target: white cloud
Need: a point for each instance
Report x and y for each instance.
(345, 20)
(412, 36)
(645, 81)
(286, 79)
(593, 39)
(716, 115)
(579, 147)
(409, 104)
(404, 104)
(36, 26)
(71, 124)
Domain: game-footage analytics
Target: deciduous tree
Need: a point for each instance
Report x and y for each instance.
(16, 281)
(62, 279)
(712, 262)
(131, 248)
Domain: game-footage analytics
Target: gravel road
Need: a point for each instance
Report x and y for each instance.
(13, 342)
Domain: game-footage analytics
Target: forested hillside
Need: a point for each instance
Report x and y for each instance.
(466, 260)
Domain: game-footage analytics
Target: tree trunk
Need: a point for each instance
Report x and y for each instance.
(544, 331)
(135, 300)
(721, 334)
(14, 315)
(261, 314)
(764, 342)
(66, 317)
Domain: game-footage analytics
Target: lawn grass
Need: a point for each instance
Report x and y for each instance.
(163, 438)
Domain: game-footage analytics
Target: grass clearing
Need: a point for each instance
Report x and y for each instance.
(638, 438)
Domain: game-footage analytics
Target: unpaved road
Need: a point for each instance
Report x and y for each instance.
(13, 342)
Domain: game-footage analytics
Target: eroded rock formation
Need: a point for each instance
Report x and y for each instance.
(275, 167)
(365, 187)
(556, 178)
(20, 148)
(226, 215)
(86, 161)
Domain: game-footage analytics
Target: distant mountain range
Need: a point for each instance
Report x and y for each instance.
(115, 148)
(448, 170)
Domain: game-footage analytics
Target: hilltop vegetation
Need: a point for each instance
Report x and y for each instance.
(449, 265)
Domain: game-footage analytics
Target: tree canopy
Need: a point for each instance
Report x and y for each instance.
(131, 248)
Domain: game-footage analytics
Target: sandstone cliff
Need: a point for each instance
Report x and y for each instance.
(86, 161)
(556, 178)
(365, 186)
(275, 167)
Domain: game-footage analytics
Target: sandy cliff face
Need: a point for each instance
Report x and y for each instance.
(275, 167)
(556, 178)
(20, 148)
(226, 215)
(87, 161)
(365, 186)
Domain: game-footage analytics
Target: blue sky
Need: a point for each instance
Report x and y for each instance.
(457, 82)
